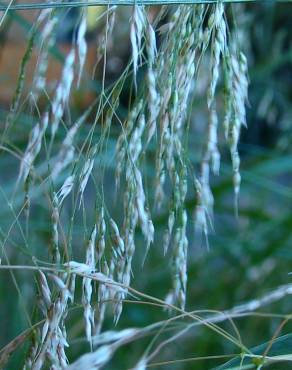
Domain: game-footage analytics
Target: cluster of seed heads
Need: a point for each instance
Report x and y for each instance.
(53, 338)
(158, 115)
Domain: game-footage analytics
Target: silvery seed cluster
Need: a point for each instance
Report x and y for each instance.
(158, 122)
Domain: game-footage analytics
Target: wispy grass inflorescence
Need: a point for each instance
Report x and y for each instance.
(223, 52)
(171, 82)
(158, 185)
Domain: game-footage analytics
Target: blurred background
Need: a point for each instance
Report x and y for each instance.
(248, 256)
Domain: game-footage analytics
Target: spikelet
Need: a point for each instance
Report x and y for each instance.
(204, 206)
(62, 92)
(240, 85)
(84, 270)
(97, 359)
(66, 153)
(122, 142)
(144, 217)
(138, 23)
(101, 230)
(45, 291)
(55, 238)
(212, 151)
(135, 144)
(87, 287)
(103, 39)
(33, 148)
(103, 295)
(216, 24)
(66, 188)
(153, 95)
(86, 171)
(81, 45)
(180, 261)
(53, 338)
(48, 38)
(119, 258)
(168, 232)
(129, 227)
(22, 71)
